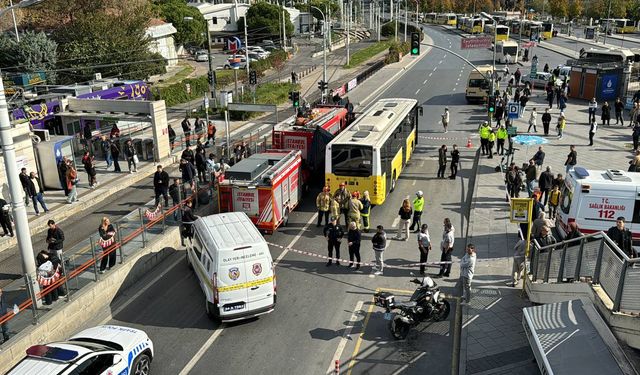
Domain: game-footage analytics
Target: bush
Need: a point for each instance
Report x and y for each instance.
(389, 30)
(395, 50)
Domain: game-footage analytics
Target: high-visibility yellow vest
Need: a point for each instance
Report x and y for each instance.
(492, 137)
(418, 204)
(502, 133)
(484, 132)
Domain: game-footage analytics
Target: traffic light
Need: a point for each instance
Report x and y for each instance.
(253, 77)
(491, 104)
(294, 96)
(415, 44)
(212, 78)
(322, 85)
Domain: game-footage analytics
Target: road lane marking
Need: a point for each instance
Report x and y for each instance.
(202, 350)
(414, 183)
(434, 69)
(352, 362)
(425, 82)
(401, 369)
(295, 239)
(470, 320)
(440, 62)
(395, 222)
(345, 337)
(493, 303)
(422, 163)
(137, 295)
(430, 74)
(417, 91)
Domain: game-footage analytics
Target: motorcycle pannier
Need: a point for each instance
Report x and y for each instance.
(384, 299)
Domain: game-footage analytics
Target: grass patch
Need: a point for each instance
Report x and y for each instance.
(365, 54)
(178, 77)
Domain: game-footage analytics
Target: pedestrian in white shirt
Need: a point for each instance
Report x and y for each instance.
(446, 245)
(424, 245)
(518, 261)
(467, 268)
(445, 119)
(533, 121)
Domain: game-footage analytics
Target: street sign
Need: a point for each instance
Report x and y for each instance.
(521, 210)
(206, 102)
(476, 42)
(188, 86)
(534, 68)
(513, 110)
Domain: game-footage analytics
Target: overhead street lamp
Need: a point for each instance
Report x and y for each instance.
(325, 31)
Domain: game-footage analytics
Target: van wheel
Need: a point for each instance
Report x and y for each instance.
(393, 182)
(285, 220)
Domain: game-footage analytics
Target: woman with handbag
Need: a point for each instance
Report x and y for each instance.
(72, 182)
(90, 167)
(107, 238)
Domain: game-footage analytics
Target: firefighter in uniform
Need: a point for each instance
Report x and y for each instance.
(501, 137)
(484, 137)
(418, 206)
(491, 142)
(365, 211)
(335, 209)
(342, 196)
(323, 203)
(354, 209)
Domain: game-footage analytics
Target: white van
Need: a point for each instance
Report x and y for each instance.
(594, 199)
(234, 266)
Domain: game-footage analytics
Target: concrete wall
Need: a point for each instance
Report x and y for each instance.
(166, 47)
(24, 155)
(65, 318)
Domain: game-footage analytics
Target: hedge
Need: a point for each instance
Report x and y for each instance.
(389, 30)
(394, 51)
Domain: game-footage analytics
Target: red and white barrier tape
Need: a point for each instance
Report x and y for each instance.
(106, 243)
(48, 280)
(151, 215)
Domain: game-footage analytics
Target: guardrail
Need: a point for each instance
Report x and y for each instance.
(596, 258)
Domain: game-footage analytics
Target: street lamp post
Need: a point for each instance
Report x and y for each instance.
(347, 6)
(405, 20)
(324, 52)
(606, 31)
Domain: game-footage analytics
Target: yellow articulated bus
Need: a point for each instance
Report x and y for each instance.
(474, 25)
(532, 27)
(501, 32)
(446, 19)
(624, 26)
(370, 154)
(547, 30)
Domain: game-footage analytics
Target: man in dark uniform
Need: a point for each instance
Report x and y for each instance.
(621, 236)
(333, 233)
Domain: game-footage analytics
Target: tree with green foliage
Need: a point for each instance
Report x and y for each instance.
(34, 53)
(189, 32)
(575, 9)
(323, 5)
(264, 18)
(110, 41)
(559, 8)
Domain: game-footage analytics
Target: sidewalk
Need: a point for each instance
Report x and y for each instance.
(493, 340)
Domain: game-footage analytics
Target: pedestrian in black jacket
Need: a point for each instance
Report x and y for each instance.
(545, 182)
(379, 242)
(62, 174)
(353, 240)
(546, 120)
(333, 233)
(186, 129)
(130, 154)
(161, 185)
(175, 192)
(55, 238)
(606, 114)
(188, 154)
(34, 191)
(188, 171)
(107, 234)
(172, 137)
(621, 236)
(201, 165)
(619, 108)
(115, 154)
(188, 218)
(24, 180)
(4, 327)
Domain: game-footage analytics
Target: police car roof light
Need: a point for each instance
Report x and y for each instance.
(52, 353)
(581, 172)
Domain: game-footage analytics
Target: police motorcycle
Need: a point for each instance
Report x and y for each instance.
(427, 303)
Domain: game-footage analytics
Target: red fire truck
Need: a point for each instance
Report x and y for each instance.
(265, 186)
(310, 134)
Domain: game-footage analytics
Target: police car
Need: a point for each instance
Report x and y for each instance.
(102, 350)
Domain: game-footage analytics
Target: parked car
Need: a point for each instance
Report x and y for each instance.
(202, 55)
(540, 80)
(256, 56)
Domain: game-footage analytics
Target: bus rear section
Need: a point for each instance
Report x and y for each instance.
(478, 85)
(507, 50)
(595, 199)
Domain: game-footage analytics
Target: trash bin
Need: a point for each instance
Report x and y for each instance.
(147, 147)
(137, 145)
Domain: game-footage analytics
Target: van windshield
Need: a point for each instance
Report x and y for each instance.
(482, 83)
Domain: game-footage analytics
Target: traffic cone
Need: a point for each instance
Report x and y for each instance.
(469, 145)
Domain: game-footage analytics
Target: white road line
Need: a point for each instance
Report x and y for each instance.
(134, 297)
(417, 91)
(414, 183)
(440, 62)
(434, 69)
(202, 350)
(401, 369)
(493, 304)
(295, 239)
(470, 320)
(345, 337)
(425, 82)
(395, 222)
(458, 78)
(456, 83)
(422, 163)
(454, 89)
(430, 74)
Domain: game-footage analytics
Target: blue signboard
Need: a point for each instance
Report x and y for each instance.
(609, 87)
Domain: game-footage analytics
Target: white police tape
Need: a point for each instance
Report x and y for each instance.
(386, 265)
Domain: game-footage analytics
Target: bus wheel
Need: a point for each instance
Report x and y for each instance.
(393, 182)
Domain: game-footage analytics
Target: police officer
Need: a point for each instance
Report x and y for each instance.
(484, 137)
(418, 206)
(365, 211)
(491, 141)
(333, 233)
(501, 136)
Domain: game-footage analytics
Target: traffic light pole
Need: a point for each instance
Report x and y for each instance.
(325, 31)
(493, 75)
(212, 80)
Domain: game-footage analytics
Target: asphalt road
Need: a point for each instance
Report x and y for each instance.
(325, 312)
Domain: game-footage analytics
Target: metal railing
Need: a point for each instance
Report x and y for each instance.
(81, 266)
(596, 258)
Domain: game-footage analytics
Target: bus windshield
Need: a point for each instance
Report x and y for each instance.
(510, 50)
(352, 160)
(621, 23)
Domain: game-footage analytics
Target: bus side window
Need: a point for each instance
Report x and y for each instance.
(636, 213)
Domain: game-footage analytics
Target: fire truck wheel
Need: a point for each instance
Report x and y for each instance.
(393, 182)
(285, 220)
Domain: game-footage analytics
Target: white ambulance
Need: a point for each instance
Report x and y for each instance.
(234, 266)
(594, 199)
